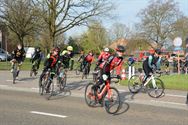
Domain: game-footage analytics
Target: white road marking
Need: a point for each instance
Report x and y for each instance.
(165, 102)
(47, 114)
(35, 88)
(181, 96)
(3, 85)
(16, 81)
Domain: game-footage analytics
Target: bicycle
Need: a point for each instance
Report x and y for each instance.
(34, 68)
(62, 78)
(15, 70)
(85, 71)
(153, 85)
(46, 79)
(77, 70)
(96, 74)
(108, 96)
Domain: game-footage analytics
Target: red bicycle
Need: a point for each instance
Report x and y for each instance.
(107, 96)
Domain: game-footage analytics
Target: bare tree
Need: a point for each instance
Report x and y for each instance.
(118, 31)
(62, 15)
(20, 17)
(181, 29)
(157, 20)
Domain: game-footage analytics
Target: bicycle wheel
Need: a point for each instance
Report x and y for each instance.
(31, 73)
(63, 81)
(52, 89)
(111, 101)
(14, 73)
(89, 95)
(155, 91)
(95, 77)
(42, 85)
(77, 70)
(134, 84)
(83, 74)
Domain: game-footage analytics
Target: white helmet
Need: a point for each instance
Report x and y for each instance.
(106, 50)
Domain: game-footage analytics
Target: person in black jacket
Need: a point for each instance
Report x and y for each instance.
(50, 65)
(36, 58)
(18, 56)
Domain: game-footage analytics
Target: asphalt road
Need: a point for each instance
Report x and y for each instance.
(24, 108)
(21, 105)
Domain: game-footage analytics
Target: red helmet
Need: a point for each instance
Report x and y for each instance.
(56, 49)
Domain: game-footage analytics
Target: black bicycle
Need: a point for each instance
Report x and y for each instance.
(34, 69)
(77, 70)
(44, 82)
(15, 70)
(62, 78)
(85, 71)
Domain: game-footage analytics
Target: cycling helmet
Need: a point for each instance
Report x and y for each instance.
(106, 50)
(158, 51)
(56, 49)
(69, 48)
(120, 48)
(37, 49)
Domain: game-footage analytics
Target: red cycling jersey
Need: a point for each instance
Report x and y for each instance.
(89, 58)
(103, 56)
(111, 63)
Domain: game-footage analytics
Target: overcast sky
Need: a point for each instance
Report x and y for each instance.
(126, 13)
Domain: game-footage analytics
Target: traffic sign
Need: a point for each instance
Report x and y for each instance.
(177, 42)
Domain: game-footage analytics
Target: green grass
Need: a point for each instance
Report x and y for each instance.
(176, 82)
(25, 66)
(179, 82)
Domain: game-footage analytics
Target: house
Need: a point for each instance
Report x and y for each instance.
(121, 41)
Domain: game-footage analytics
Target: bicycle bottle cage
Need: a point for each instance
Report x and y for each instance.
(104, 77)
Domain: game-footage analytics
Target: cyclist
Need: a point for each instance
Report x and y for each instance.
(18, 55)
(113, 61)
(67, 57)
(81, 59)
(88, 59)
(103, 56)
(50, 64)
(152, 63)
(36, 57)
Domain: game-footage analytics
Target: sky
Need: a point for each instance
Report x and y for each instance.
(126, 12)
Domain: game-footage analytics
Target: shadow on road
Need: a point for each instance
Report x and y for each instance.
(124, 105)
(77, 85)
(59, 94)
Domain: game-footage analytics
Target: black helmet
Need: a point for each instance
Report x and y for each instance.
(158, 51)
(37, 49)
(120, 48)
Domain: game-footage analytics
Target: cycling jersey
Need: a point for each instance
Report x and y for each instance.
(111, 63)
(36, 56)
(18, 54)
(103, 56)
(89, 58)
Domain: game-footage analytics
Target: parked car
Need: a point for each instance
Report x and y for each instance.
(4, 55)
(29, 51)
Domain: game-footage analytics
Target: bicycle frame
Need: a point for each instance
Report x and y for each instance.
(153, 81)
(105, 89)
